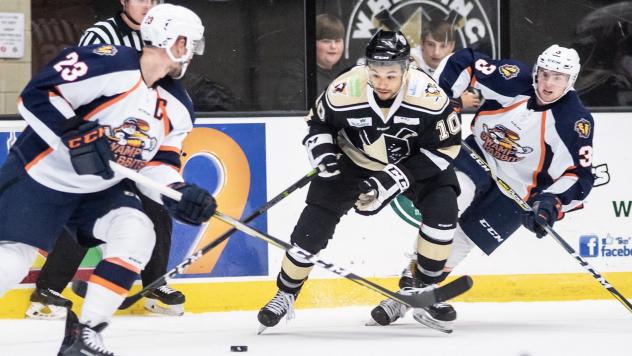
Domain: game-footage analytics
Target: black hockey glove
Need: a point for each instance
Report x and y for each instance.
(322, 151)
(89, 150)
(195, 207)
(380, 189)
(546, 207)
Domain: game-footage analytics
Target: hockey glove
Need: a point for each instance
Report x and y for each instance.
(89, 150)
(380, 189)
(195, 207)
(322, 151)
(546, 207)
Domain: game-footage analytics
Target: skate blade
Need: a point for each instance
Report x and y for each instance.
(443, 326)
(39, 311)
(261, 329)
(157, 307)
(371, 322)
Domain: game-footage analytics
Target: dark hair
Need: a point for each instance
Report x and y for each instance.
(329, 27)
(440, 31)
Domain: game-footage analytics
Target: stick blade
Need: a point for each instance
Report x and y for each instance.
(454, 288)
(129, 301)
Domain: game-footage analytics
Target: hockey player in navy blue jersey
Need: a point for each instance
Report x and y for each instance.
(380, 129)
(57, 175)
(63, 261)
(534, 133)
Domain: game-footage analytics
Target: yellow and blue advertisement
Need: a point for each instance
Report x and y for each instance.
(229, 161)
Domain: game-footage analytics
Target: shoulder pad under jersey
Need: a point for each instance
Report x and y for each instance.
(423, 92)
(348, 89)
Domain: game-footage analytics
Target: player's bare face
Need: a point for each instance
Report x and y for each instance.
(328, 52)
(551, 85)
(433, 50)
(386, 80)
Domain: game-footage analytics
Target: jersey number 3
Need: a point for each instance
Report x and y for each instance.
(70, 68)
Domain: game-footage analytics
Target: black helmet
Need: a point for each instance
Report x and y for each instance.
(386, 46)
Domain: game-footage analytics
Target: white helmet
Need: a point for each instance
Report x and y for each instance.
(559, 59)
(165, 23)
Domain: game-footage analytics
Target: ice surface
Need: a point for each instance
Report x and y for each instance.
(508, 329)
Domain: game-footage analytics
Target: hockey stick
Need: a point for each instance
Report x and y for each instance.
(423, 299)
(80, 287)
(509, 192)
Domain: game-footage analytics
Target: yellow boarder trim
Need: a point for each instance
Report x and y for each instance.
(338, 292)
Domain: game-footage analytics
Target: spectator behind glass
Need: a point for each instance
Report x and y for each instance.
(329, 47)
(604, 42)
(437, 42)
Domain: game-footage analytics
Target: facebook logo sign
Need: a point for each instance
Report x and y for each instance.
(588, 246)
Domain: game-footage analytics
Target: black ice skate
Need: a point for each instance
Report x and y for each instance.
(82, 340)
(47, 304)
(438, 316)
(388, 312)
(165, 300)
(280, 305)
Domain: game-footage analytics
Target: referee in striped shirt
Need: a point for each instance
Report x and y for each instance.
(123, 30)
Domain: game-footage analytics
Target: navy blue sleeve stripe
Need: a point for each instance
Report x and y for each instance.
(167, 157)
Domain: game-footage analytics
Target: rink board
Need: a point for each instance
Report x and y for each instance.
(246, 161)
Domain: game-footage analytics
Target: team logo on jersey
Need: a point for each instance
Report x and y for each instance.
(129, 140)
(502, 143)
(472, 22)
(340, 88)
(582, 127)
(432, 91)
(105, 50)
(397, 146)
(509, 71)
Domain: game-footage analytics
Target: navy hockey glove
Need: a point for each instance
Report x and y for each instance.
(546, 207)
(195, 207)
(380, 189)
(322, 151)
(89, 150)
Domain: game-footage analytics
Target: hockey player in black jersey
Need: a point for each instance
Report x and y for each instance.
(380, 129)
(538, 137)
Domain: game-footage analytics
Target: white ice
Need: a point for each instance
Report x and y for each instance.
(487, 329)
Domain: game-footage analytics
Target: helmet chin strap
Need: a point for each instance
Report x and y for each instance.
(184, 60)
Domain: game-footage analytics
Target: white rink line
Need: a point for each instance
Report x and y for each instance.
(584, 328)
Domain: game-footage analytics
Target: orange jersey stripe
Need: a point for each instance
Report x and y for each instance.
(111, 102)
(108, 285)
(155, 163)
(501, 110)
(38, 158)
(473, 81)
(170, 149)
(542, 154)
(165, 117)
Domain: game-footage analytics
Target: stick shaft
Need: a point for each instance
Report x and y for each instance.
(509, 192)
